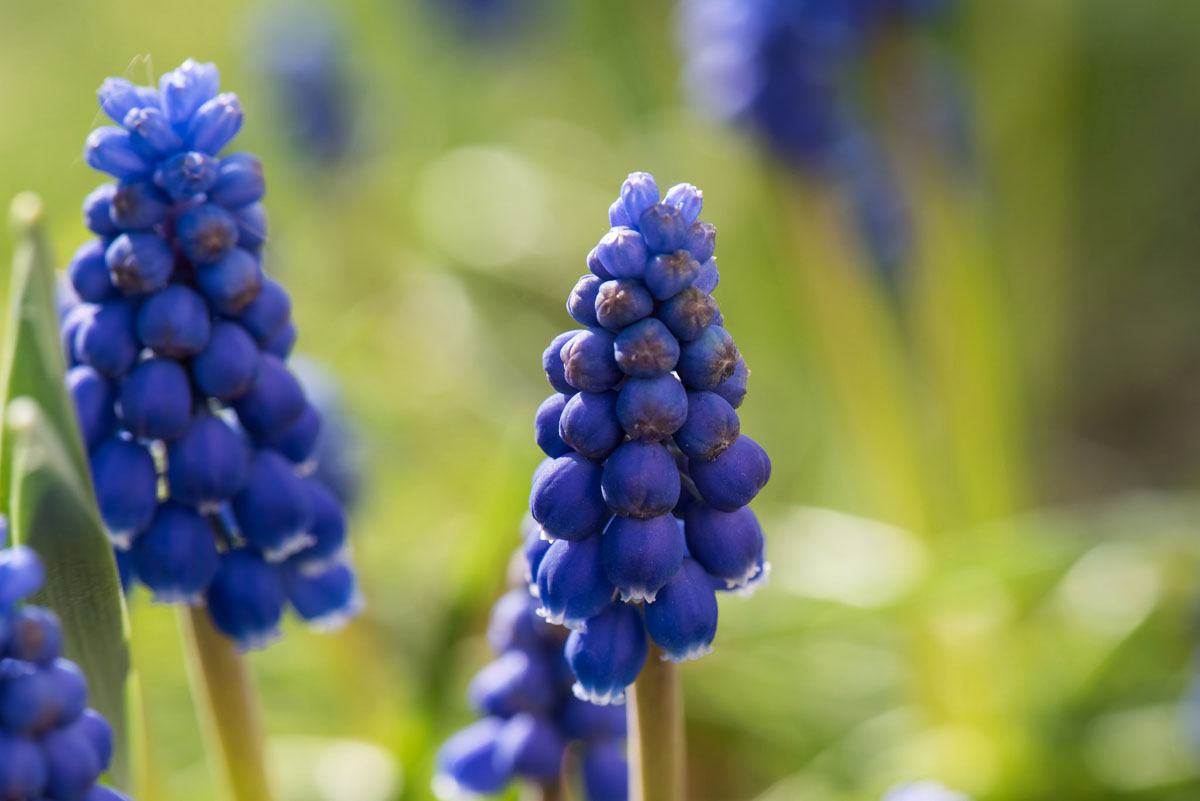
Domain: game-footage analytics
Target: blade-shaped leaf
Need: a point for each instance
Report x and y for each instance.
(45, 486)
(32, 363)
(54, 515)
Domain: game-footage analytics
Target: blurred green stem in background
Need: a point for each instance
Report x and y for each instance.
(656, 742)
(223, 691)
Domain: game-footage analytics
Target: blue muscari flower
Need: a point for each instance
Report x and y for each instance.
(201, 439)
(787, 71)
(51, 745)
(647, 481)
(532, 716)
(301, 55)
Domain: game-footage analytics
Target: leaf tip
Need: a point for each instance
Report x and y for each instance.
(26, 210)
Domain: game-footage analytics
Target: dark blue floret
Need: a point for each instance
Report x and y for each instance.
(708, 360)
(572, 584)
(176, 558)
(646, 349)
(151, 133)
(641, 480)
(733, 389)
(728, 545)
(97, 211)
(231, 284)
(185, 175)
(207, 465)
(623, 253)
(325, 594)
(588, 361)
(269, 312)
(110, 150)
(640, 556)
(465, 763)
(638, 192)
(516, 682)
(566, 498)
(652, 409)
(106, 337)
(281, 344)
(93, 396)
(138, 205)
(701, 242)
(664, 228)
(622, 301)
(155, 400)
(206, 233)
(733, 479)
(529, 747)
(609, 655)
(688, 313)
(245, 599)
(139, 262)
(588, 424)
(126, 487)
(174, 322)
(71, 763)
(239, 181)
(327, 526)
(273, 508)
(581, 720)
(683, 619)
(228, 365)
(513, 624)
(581, 304)
(711, 426)
(595, 266)
(23, 772)
(274, 401)
(252, 226)
(552, 363)
(545, 425)
(36, 636)
(667, 274)
(298, 441)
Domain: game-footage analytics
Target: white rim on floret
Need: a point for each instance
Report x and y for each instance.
(695, 652)
(610, 697)
(561, 619)
(291, 546)
(121, 540)
(744, 580)
(257, 642)
(635, 594)
(757, 582)
(336, 619)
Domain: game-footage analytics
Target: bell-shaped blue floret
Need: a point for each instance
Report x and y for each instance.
(683, 619)
(608, 655)
(640, 556)
(572, 584)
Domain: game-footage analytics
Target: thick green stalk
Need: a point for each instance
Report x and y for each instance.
(223, 691)
(656, 742)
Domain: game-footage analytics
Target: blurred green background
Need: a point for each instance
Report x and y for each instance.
(982, 516)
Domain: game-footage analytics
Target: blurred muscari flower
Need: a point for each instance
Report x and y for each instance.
(300, 52)
(531, 717)
(200, 437)
(485, 20)
(787, 69)
(51, 745)
(923, 791)
(641, 503)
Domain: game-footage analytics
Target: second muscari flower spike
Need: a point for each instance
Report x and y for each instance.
(52, 746)
(201, 438)
(641, 503)
(531, 717)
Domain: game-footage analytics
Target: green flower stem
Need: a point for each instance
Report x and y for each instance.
(656, 742)
(223, 691)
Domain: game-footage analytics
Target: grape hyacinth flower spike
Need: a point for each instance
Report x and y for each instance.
(51, 744)
(789, 72)
(530, 717)
(644, 490)
(201, 438)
